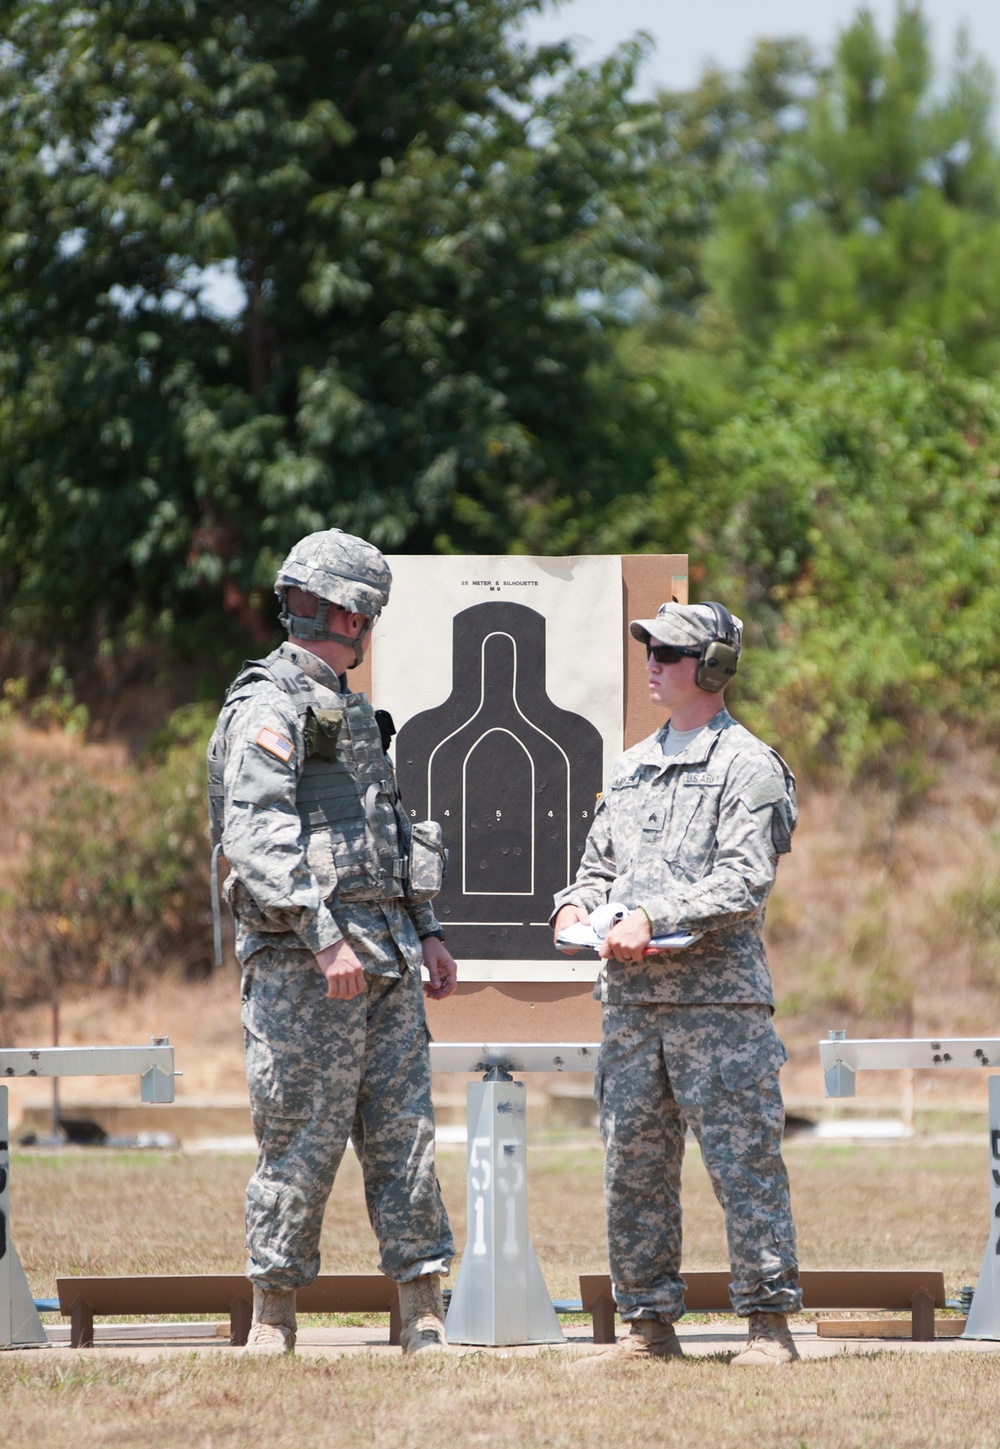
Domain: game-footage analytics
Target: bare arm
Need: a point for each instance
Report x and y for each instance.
(441, 968)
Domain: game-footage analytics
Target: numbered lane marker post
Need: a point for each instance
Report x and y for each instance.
(984, 1315)
(500, 1295)
(20, 1325)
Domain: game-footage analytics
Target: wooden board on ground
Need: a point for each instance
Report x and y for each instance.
(885, 1328)
(918, 1290)
(80, 1299)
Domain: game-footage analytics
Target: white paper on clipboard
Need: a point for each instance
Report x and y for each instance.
(588, 935)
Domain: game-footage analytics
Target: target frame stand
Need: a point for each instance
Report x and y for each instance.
(20, 1325)
(500, 1297)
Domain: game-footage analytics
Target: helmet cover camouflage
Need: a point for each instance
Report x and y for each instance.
(340, 568)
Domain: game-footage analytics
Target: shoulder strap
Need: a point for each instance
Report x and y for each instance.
(273, 670)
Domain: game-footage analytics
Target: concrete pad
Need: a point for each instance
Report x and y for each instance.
(147, 1342)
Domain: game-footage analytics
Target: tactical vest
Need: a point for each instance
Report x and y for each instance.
(356, 841)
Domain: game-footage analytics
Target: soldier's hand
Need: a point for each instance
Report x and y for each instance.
(568, 916)
(345, 975)
(628, 940)
(441, 968)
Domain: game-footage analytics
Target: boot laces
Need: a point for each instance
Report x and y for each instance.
(768, 1325)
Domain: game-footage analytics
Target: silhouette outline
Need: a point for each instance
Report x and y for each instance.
(512, 778)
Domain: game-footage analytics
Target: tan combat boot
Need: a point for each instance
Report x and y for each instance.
(769, 1342)
(647, 1338)
(422, 1311)
(274, 1325)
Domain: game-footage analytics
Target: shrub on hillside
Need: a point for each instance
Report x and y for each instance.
(112, 880)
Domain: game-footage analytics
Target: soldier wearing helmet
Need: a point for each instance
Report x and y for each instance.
(339, 572)
(330, 886)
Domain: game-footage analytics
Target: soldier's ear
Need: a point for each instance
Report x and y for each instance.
(343, 621)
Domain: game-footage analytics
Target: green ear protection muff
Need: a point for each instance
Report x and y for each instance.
(719, 659)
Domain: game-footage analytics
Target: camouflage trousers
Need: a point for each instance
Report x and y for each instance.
(715, 1069)
(320, 1070)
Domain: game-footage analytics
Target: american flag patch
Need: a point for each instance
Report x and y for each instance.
(276, 744)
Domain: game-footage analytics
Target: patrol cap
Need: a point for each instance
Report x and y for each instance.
(340, 568)
(686, 626)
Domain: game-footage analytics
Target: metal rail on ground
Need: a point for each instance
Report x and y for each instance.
(843, 1058)
(20, 1325)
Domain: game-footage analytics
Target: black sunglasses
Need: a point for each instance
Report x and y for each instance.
(667, 654)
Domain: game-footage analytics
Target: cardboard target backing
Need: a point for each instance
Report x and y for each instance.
(514, 685)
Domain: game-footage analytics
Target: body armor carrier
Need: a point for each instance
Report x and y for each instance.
(357, 841)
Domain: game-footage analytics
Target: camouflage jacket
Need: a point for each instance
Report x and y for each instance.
(298, 866)
(693, 839)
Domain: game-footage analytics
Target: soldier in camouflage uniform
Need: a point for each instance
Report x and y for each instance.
(331, 897)
(687, 836)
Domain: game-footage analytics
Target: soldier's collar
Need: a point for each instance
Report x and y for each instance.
(698, 751)
(311, 665)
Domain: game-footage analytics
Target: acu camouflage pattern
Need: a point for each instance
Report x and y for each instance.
(309, 863)
(694, 839)
(340, 568)
(685, 625)
(687, 1039)
(320, 1070)
(715, 1069)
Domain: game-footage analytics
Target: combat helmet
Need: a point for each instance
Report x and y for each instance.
(338, 569)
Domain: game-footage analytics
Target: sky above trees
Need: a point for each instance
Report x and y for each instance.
(724, 31)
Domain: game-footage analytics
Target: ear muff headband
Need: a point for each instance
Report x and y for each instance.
(718, 660)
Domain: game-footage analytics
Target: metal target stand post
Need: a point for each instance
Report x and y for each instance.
(842, 1059)
(20, 1325)
(500, 1297)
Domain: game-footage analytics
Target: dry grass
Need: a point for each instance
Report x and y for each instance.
(906, 1205)
(480, 1402)
(913, 1204)
(873, 926)
(874, 920)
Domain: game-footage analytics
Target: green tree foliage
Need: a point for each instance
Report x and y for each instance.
(485, 302)
(853, 517)
(726, 127)
(490, 303)
(834, 459)
(862, 527)
(879, 213)
(408, 205)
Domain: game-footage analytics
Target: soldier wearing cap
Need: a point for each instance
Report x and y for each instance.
(687, 835)
(333, 923)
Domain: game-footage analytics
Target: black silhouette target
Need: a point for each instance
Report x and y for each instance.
(512, 779)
